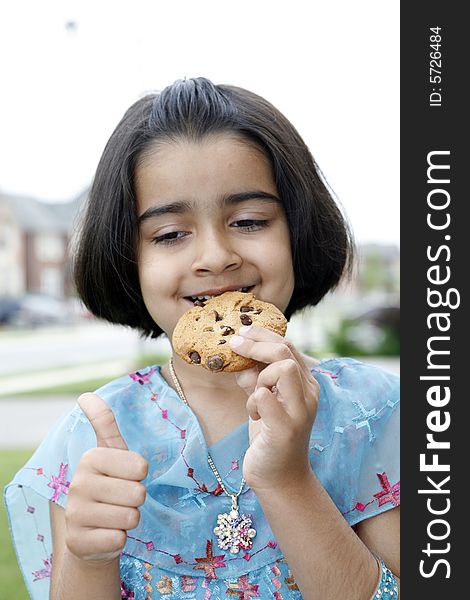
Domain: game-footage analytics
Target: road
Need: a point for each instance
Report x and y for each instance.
(56, 347)
(31, 360)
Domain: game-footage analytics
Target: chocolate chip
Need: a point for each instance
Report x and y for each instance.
(199, 303)
(246, 320)
(215, 363)
(217, 316)
(195, 357)
(221, 342)
(246, 309)
(208, 329)
(227, 330)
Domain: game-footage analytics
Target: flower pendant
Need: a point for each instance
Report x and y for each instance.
(234, 531)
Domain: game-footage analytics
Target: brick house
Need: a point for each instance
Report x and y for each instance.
(34, 238)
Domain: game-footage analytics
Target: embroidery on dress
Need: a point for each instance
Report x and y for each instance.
(389, 493)
(210, 562)
(45, 571)
(243, 588)
(59, 484)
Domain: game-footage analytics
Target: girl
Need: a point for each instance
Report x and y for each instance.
(279, 481)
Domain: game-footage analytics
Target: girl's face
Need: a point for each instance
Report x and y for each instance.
(211, 220)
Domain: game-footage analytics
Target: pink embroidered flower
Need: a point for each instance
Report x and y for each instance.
(178, 559)
(165, 413)
(209, 562)
(272, 544)
(389, 493)
(39, 471)
(247, 556)
(60, 484)
(149, 546)
(243, 589)
(183, 434)
(141, 378)
(360, 506)
(45, 571)
(190, 472)
(235, 465)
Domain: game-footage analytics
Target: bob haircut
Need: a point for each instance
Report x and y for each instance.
(105, 265)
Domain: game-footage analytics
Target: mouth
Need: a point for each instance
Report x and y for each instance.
(204, 297)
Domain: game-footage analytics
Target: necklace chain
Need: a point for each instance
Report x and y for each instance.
(182, 396)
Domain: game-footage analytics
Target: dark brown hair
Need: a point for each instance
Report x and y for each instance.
(105, 265)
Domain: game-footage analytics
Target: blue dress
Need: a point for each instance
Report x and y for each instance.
(354, 451)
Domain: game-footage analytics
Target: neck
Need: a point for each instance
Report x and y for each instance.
(215, 398)
(198, 382)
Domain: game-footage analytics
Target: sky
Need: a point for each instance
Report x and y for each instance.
(70, 68)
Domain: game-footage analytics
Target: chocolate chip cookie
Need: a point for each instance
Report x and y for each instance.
(202, 334)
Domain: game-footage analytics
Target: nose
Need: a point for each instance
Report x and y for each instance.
(215, 253)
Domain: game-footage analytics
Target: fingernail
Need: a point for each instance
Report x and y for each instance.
(236, 341)
(244, 329)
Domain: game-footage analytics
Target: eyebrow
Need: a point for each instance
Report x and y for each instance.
(183, 206)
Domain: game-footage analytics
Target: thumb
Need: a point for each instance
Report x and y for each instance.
(247, 379)
(102, 420)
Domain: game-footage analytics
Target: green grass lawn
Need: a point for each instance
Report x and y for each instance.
(11, 580)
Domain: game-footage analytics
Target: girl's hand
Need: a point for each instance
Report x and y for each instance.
(105, 491)
(282, 405)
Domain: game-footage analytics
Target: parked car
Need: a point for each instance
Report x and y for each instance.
(38, 309)
(8, 309)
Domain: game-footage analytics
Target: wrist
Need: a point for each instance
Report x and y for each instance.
(106, 563)
(290, 484)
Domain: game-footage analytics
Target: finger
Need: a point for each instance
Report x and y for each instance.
(247, 379)
(107, 516)
(102, 420)
(96, 544)
(121, 464)
(284, 377)
(120, 492)
(261, 351)
(266, 335)
(264, 404)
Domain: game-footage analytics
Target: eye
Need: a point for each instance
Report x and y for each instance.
(169, 238)
(250, 224)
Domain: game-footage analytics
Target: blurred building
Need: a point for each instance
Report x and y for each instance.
(34, 239)
(367, 304)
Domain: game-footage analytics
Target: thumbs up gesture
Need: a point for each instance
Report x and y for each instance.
(106, 490)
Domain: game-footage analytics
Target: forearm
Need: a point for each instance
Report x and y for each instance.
(327, 558)
(76, 579)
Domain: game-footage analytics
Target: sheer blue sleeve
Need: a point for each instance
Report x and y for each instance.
(355, 439)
